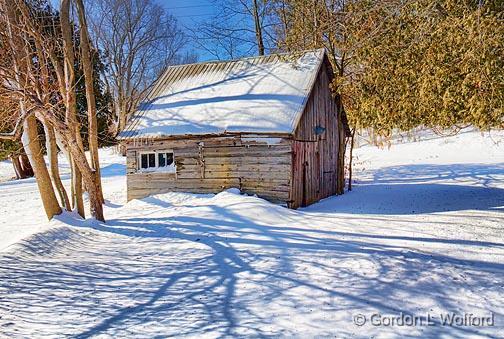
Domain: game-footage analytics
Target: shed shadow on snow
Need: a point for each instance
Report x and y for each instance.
(413, 189)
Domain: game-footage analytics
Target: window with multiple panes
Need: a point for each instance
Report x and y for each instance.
(156, 161)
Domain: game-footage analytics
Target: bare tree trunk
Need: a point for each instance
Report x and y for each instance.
(70, 102)
(17, 167)
(32, 148)
(350, 160)
(52, 154)
(66, 136)
(76, 189)
(29, 137)
(25, 165)
(121, 113)
(90, 97)
(340, 188)
(21, 165)
(79, 160)
(258, 28)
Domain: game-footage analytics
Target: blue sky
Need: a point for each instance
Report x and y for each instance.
(188, 14)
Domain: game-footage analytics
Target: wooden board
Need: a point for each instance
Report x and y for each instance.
(211, 165)
(317, 143)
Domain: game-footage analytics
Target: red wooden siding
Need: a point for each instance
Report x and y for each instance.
(316, 146)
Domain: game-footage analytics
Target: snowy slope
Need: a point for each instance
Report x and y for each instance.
(21, 212)
(422, 233)
(6, 171)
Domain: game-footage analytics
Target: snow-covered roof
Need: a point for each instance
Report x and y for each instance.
(254, 95)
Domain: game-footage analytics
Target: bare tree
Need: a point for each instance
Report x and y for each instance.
(87, 66)
(257, 25)
(52, 154)
(42, 79)
(13, 149)
(138, 40)
(239, 28)
(70, 100)
(17, 77)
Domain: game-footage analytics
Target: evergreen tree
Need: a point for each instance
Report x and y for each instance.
(438, 64)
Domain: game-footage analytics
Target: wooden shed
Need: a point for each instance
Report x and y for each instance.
(267, 125)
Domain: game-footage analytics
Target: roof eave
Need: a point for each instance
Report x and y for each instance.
(285, 135)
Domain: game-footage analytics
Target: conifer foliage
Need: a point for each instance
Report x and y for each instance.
(404, 64)
(438, 64)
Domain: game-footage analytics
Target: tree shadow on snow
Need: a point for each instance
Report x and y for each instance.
(483, 174)
(113, 170)
(239, 245)
(412, 189)
(212, 271)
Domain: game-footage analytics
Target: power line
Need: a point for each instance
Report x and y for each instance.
(192, 6)
(193, 15)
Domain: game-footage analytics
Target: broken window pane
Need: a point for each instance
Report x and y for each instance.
(169, 159)
(161, 159)
(152, 160)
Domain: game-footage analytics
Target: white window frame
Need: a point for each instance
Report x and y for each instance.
(167, 169)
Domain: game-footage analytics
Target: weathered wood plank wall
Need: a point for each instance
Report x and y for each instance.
(300, 170)
(212, 164)
(316, 146)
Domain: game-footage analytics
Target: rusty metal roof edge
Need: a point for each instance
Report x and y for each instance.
(222, 134)
(247, 58)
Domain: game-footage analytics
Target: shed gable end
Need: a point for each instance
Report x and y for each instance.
(317, 145)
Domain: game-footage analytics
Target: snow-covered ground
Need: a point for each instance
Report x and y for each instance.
(21, 209)
(421, 235)
(6, 171)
